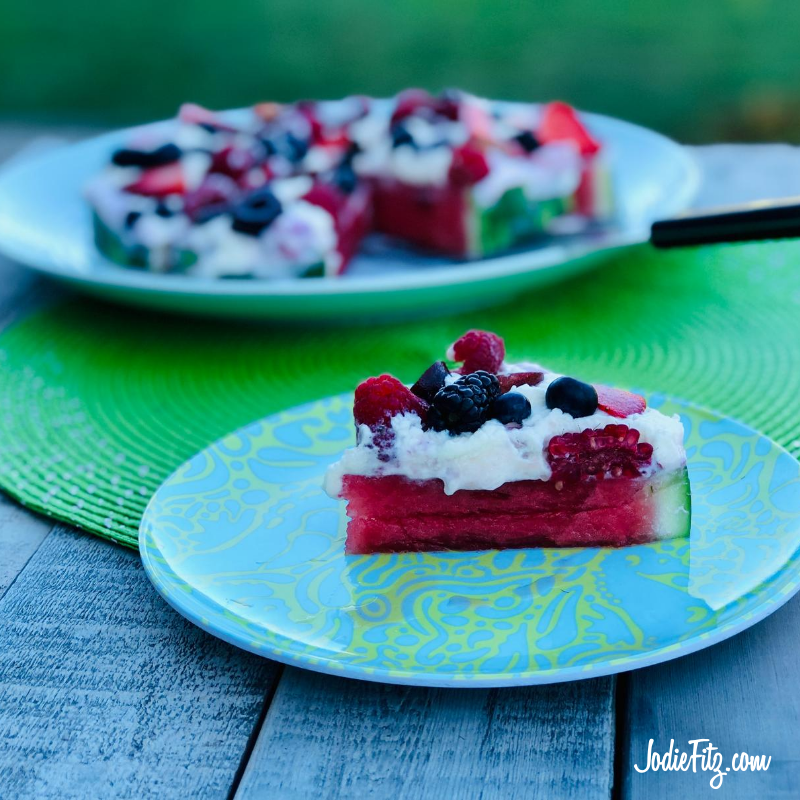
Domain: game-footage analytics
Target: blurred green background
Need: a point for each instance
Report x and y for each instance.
(700, 70)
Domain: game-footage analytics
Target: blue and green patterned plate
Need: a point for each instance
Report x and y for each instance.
(243, 542)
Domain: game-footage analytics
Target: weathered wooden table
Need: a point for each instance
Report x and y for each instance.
(106, 692)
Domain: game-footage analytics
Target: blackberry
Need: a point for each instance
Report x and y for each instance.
(485, 380)
(463, 406)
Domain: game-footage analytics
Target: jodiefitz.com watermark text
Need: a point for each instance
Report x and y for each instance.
(702, 757)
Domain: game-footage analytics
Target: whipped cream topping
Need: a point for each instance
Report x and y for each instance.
(496, 454)
(302, 236)
(551, 171)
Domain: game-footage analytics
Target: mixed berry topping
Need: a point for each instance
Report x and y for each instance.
(479, 350)
(511, 408)
(613, 452)
(461, 405)
(572, 396)
(379, 399)
(618, 402)
(354, 146)
(431, 381)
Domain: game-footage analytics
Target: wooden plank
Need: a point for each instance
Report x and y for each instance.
(743, 695)
(21, 533)
(327, 737)
(106, 692)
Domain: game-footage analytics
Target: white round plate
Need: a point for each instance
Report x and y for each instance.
(46, 224)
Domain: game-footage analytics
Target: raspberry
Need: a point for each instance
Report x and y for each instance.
(618, 402)
(612, 452)
(508, 382)
(212, 197)
(469, 165)
(379, 399)
(233, 162)
(409, 102)
(326, 196)
(448, 105)
(478, 350)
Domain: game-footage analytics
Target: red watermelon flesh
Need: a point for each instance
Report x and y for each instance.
(392, 514)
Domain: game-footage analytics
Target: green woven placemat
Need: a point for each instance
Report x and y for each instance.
(98, 404)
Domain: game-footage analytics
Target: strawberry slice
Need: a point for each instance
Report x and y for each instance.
(508, 382)
(477, 121)
(560, 123)
(409, 102)
(618, 402)
(159, 181)
(193, 114)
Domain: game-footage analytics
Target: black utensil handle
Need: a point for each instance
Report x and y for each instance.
(771, 219)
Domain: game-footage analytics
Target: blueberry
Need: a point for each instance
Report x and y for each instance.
(400, 135)
(166, 154)
(352, 151)
(269, 146)
(344, 177)
(293, 148)
(528, 141)
(573, 397)
(256, 212)
(431, 381)
(131, 217)
(511, 408)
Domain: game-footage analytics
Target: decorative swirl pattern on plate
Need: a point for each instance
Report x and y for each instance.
(243, 541)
